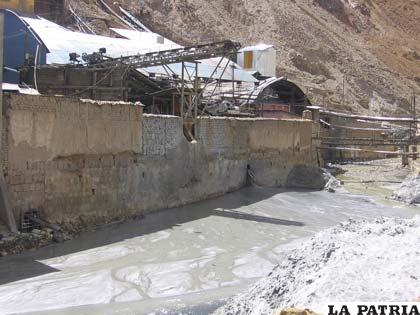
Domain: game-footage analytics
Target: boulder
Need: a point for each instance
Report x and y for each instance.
(311, 177)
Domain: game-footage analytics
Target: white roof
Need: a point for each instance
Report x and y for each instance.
(259, 47)
(61, 41)
(17, 88)
(147, 40)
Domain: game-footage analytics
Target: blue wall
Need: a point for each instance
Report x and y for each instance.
(17, 41)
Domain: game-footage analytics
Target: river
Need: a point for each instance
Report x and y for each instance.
(186, 260)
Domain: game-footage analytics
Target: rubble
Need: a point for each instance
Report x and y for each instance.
(16, 243)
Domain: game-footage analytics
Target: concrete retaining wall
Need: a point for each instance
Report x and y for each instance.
(71, 158)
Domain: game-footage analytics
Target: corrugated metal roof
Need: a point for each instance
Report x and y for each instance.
(61, 41)
(147, 40)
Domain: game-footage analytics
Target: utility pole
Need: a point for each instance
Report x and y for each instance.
(342, 101)
(233, 82)
(182, 91)
(413, 130)
(196, 87)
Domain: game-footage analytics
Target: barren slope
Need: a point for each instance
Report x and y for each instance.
(373, 45)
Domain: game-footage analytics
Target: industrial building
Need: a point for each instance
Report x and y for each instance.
(260, 59)
(22, 47)
(52, 60)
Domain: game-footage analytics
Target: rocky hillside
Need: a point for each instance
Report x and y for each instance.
(371, 45)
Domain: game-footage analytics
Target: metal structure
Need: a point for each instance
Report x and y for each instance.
(362, 133)
(190, 89)
(225, 48)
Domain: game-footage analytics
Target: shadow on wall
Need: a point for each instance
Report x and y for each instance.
(27, 265)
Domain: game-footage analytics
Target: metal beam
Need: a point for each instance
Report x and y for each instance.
(185, 54)
(369, 118)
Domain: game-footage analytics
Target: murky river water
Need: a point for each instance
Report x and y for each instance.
(176, 259)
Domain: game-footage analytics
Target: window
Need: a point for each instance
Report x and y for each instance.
(248, 60)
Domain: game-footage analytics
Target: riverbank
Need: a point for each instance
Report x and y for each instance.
(378, 178)
(177, 258)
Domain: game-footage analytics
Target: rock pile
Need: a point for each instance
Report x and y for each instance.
(20, 242)
(409, 191)
(356, 261)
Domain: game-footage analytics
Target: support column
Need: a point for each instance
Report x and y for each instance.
(405, 156)
(182, 90)
(414, 151)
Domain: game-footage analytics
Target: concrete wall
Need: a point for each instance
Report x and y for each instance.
(71, 158)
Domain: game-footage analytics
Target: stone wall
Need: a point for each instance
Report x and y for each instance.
(70, 158)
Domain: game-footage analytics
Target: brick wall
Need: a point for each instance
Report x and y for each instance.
(225, 136)
(160, 134)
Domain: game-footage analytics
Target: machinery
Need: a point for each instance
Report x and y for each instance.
(225, 48)
(98, 76)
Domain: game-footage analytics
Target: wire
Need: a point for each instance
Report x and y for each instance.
(35, 67)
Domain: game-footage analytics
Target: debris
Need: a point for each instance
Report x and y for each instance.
(332, 182)
(18, 243)
(36, 231)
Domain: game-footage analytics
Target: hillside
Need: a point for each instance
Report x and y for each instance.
(373, 45)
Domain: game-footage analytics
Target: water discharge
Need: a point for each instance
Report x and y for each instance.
(176, 259)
